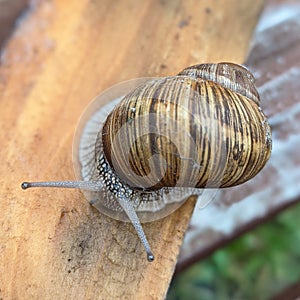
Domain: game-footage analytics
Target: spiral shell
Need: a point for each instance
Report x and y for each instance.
(201, 128)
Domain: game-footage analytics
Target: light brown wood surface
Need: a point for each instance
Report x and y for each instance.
(53, 244)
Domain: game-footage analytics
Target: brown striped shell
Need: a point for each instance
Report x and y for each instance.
(201, 128)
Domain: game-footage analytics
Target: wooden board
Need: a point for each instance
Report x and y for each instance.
(53, 244)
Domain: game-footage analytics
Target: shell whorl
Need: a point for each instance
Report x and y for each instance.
(197, 129)
(232, 76)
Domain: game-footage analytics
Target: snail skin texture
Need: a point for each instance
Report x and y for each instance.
(146, 145)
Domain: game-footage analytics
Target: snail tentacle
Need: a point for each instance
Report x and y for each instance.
(128, 208)
(83, 185)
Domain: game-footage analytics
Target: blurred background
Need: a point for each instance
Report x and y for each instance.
(10, 11)
(247, 245)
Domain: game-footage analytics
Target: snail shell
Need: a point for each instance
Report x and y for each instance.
(202, 128)
(162, 140)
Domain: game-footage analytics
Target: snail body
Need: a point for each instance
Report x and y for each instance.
(167, 139)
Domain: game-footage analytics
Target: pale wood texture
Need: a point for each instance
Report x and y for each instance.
(53, 244)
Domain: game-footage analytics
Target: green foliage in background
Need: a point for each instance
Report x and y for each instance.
(256, 266)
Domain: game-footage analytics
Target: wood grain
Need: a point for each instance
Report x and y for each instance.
(53, 244)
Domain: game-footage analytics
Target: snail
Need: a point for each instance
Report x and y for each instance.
(146, 146)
